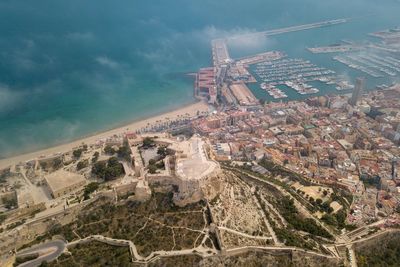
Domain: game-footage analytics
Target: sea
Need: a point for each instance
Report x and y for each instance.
(71, 68)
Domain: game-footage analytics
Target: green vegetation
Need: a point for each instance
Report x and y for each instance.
(185, 260)
(3, 217)
(95, 157)
(57, 163)
(337, 220)
(276, 170)
(154, 165)
(10, 203)
(152, 169)
(78, 152)
(291, 238)
(90, 188)
(148, 142)
(289, 212)
(125, 221)
(94, 254)
(323, 206)
(108, 170)
(125, 152)
(20, 260)
(382, 252)
(82, 164)
(16, 224)
(108, 149)
(294, 193)
(163, 151)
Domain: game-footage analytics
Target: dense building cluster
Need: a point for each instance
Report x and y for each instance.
(325, 139)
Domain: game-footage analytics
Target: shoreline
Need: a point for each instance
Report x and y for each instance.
(131, 126)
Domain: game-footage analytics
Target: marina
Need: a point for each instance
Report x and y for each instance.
(286, 75)
(273, 91)
(375, 65)
(387, 34)
(296, 74)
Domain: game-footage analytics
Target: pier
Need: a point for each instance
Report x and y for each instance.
(293, 28)
(209, 82)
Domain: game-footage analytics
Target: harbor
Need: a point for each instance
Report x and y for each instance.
(296, 74)
(280, 74)
(374, 65)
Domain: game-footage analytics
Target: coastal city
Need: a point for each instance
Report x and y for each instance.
(235, 180)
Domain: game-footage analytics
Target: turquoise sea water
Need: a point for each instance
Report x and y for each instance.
(71, 68)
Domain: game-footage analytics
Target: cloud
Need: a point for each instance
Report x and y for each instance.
(107, 62)
(239, 38)
(8, 98)
(80, 36)
(40, 134)
(181, 49)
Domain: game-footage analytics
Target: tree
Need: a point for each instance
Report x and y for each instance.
(325, 193)
(95, 156)
(341, 218)
(125, 152)
(152, 162)
(152, 169)
(82, 164)
(108, 149)
(10, 203)
(43, 165)
(148, 142)
(329, 219)
(99, 168)
(90, 188)
(114, 169)
(160, 165)
(318, 201)
(57, 163)
(77, 153)
(3, 217)
(162, 151)
(108, 170)
(112, 162)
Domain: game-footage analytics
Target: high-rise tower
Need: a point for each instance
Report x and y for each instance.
(357, 92)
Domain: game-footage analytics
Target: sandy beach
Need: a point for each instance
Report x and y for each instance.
(190, 109)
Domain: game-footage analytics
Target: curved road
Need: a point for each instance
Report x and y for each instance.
(55, 247)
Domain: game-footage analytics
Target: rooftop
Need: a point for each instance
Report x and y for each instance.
(196, 165)
(62, 179)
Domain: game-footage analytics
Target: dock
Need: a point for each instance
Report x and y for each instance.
(293, 28)
(335, 48)
(258, 58)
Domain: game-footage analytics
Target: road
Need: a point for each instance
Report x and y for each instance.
(50, 250)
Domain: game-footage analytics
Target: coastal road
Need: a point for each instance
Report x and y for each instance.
(47, 252)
